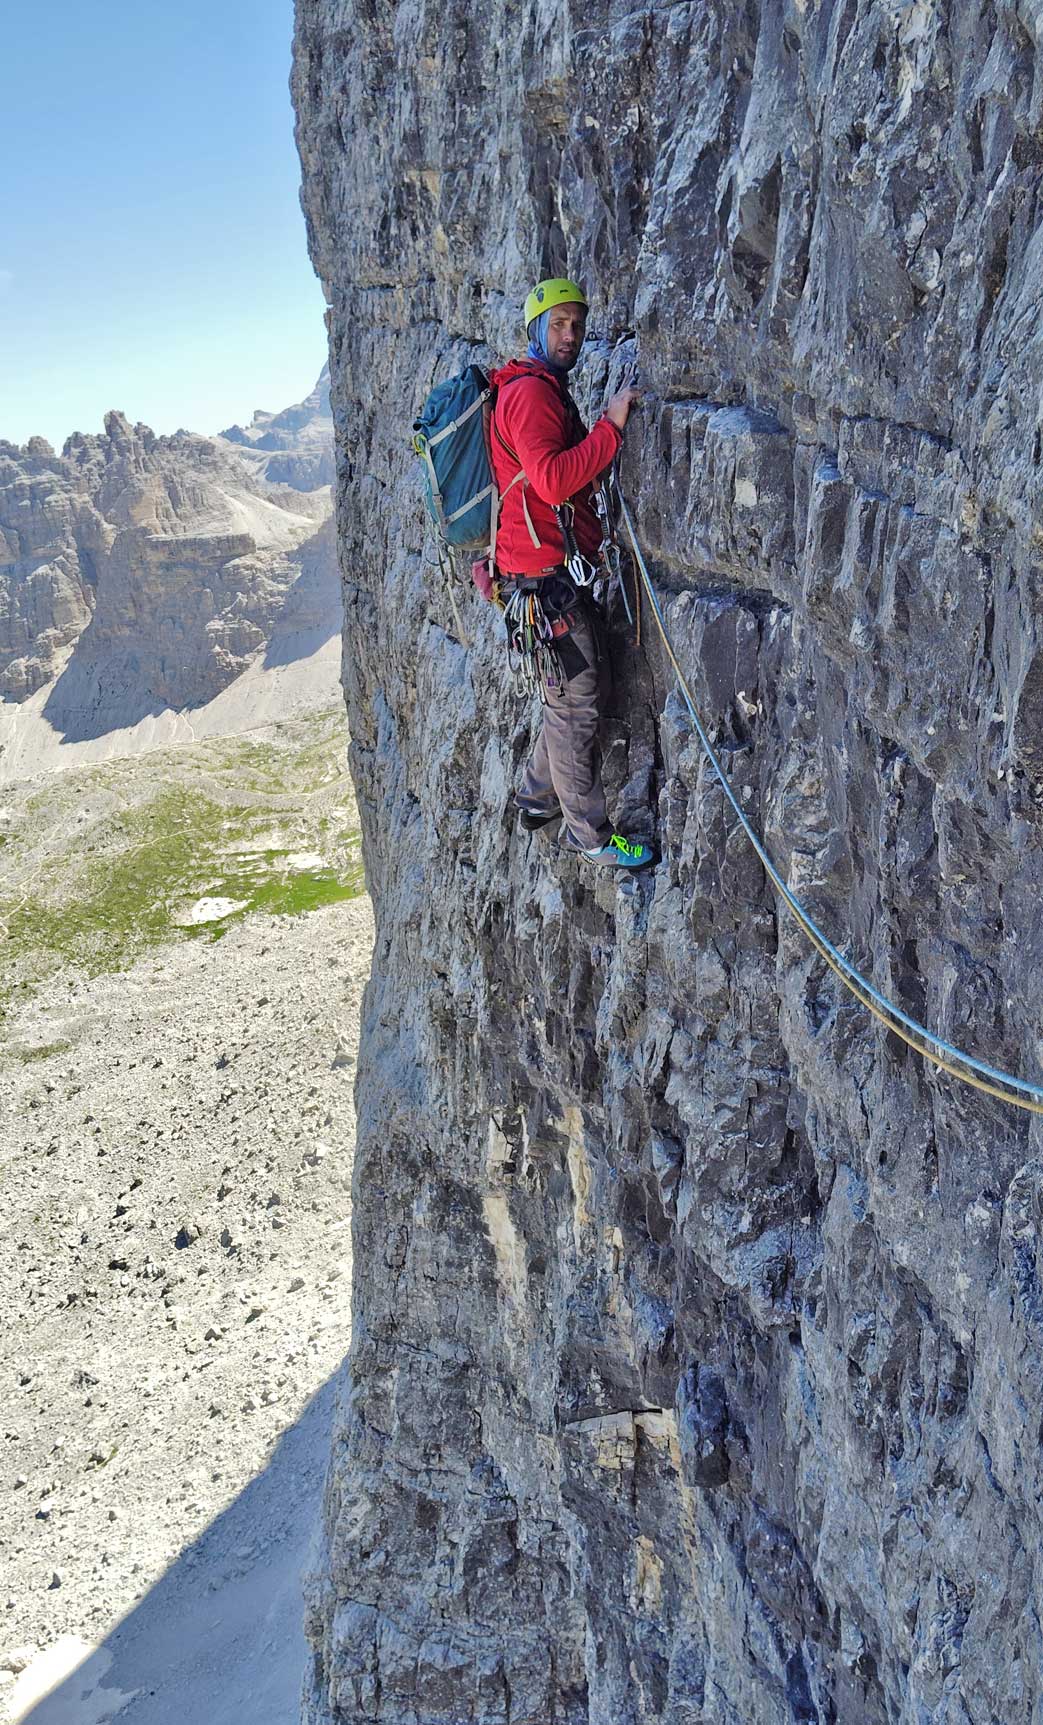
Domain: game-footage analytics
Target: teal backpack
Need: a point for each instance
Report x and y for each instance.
(451, 438)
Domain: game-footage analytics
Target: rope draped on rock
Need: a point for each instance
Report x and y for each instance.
(923, 1041)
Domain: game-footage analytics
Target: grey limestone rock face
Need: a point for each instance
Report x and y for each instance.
(51, 538)
(698, 1339)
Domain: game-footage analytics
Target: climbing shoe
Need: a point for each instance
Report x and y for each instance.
(618, 852)
(533, 818)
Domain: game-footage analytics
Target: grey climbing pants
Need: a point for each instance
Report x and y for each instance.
(564, 765)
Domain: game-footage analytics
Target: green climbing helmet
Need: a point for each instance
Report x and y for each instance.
(555, 292)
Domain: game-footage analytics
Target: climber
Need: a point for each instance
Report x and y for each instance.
(548, 540)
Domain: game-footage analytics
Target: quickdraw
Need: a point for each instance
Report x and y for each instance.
(606, 576)
(530, 641)
(581, 570)
(539, 614)
(608, 502)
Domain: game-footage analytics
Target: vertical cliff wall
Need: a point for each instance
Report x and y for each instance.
(698, 1345)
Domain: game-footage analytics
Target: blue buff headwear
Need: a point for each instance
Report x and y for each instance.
(537, 338)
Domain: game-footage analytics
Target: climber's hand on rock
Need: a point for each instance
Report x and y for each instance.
(620, 405)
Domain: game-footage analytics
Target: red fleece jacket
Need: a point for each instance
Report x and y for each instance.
(560, 459)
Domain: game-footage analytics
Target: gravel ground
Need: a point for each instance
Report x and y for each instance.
(175, 1165)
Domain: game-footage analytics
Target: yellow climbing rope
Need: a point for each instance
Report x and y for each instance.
(918, 1037)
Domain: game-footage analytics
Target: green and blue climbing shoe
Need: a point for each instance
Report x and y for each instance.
(618, 852)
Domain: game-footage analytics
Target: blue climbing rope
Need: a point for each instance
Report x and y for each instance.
(931, 1047)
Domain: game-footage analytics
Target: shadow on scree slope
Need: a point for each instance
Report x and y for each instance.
(220, 1637)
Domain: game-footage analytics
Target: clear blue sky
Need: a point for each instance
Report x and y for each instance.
(152, 249)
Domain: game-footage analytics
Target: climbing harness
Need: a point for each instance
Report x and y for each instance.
(917, 1036)
(537, 609)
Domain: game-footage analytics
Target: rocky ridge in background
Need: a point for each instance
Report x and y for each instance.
(294, 447)
(698, 1331)
(141, 573)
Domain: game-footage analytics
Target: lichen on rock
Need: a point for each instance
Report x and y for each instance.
(698, 1344)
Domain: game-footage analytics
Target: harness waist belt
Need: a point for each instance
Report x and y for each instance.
(531, 583)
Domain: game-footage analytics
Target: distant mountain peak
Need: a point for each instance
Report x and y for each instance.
(295, 446)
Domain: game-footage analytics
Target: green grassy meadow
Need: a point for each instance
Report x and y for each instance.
(102, 863)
